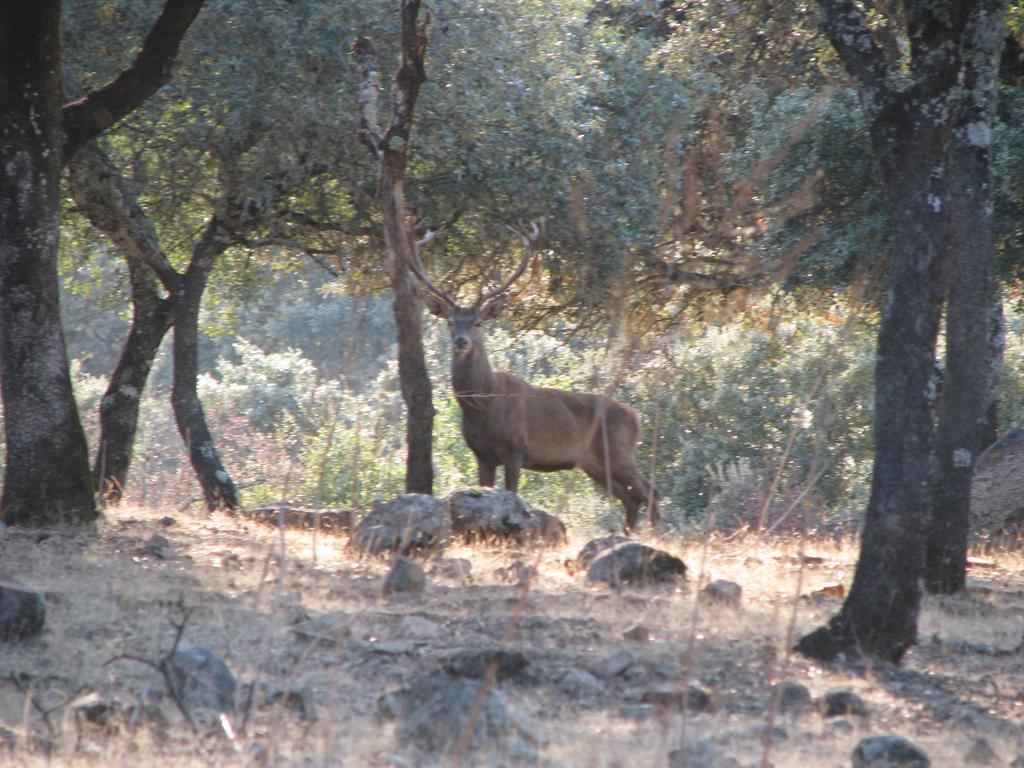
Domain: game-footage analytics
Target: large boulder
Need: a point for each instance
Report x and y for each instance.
(636, 564)
(490, 514)
(411, 523)
(22, 611)
(201, 683)
(997, 490)
(432, 713)
(596, 547)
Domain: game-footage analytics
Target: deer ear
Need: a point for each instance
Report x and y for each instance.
(492, 308)
(434, 305)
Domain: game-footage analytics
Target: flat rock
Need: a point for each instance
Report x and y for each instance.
(418, 628)
(636, 565)
(690, 699)
(475, 664)
(613, 665)
(721, 592)
(579, 682)
(410, 523)
(701, 754)
(328, 629)
(888, 752)
(453, 568)
(22, 609)
(491, 514)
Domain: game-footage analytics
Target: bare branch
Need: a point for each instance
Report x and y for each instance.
(98, 110)
(369, 91)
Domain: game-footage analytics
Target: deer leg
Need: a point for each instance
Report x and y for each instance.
(512, 476)
(486, 473)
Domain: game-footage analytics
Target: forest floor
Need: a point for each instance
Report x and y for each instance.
(116, 593)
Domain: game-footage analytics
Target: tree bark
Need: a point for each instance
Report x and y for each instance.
(46, 477)
(103, 196)
(391, 150)
(219, 490)
(910, 131)
(971, 242)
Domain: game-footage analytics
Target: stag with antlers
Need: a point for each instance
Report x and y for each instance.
(508, 422)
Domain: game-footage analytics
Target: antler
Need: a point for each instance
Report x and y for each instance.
(417, 266)
(529, 241)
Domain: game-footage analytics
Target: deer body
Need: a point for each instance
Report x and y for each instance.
(509, 423)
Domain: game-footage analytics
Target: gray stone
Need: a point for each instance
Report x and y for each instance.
(637, 565)
(579, 682)
(981, 753)
(491, 514)
(843, 702)
(410, 523)
(793, 697)
(722, 592)
(516, 572)
(201, 682)
(888, 752)
(328, 629)
(159, 547)
(454, 568)
(701, 754)
(405, 577)
(613, 665)
(22, 609)
(638, 634)
(692, 699)
(418, 628)
(595, 547)
(299, 699)
(638, 711)
(432, 712)
(475, 664)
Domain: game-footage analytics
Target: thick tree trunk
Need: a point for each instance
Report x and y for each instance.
(996, 353)
(106, 200)
(971, 243)
(46, 478)
(219, 490)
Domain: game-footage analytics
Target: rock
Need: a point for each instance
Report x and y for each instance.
(299, 699)
(303, 518)
(490, 514)
(475, 664)
(405, 577)
(516, 572)
(158, 546)
(638, 634)
(579, 682)
(843, 702)
(432, 713)
(418, 628)
(638, 711)
(637, 565)
(410, 523)
(595, 547)
(722, 592)
(455, 568)
(793, 697)
(981, 753)
(693, 699)
(329, 629)
(93, 709)
(201, 682)
(701, 754)
(888, 752)
(22, 609)
(1018, 761)
(613, 665)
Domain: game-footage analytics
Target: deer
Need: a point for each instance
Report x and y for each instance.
(510, 423)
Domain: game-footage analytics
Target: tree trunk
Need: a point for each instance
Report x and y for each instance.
(412, 365)
(996, 352)
(219, 490)
(971, 243)
(46, 478)
(102, 195)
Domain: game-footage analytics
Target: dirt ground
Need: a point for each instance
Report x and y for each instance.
(248, 585)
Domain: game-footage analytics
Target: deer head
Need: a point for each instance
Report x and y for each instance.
(465, 321)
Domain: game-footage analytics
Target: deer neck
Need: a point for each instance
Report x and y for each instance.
(472, 375)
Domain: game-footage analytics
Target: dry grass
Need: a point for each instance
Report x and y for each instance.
(106, 597)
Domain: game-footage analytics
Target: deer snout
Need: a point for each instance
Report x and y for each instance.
(461, 343)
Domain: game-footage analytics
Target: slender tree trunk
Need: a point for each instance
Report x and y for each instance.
(971, 243)
(46, 478)
(219, 490)
(414, 380)
(103, 196)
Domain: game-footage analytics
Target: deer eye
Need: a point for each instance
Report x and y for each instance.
(450, 323)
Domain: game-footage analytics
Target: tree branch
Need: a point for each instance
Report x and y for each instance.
(844, 24)
(369, 90)
(98, 110)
